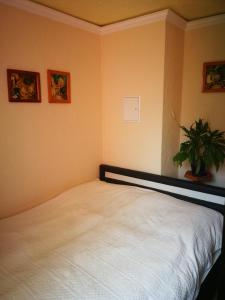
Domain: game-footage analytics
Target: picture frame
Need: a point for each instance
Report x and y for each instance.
(214, 77)
(23, 86)
(58, 86)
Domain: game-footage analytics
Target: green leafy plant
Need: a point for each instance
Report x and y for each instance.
(203, 148)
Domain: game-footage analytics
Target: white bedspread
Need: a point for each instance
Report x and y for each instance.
(103, 241)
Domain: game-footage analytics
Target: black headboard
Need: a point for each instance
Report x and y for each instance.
(202, 194)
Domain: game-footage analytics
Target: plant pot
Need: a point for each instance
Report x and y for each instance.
(202, 171)
(194, 178)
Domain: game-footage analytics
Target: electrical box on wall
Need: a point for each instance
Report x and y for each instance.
(131, 109)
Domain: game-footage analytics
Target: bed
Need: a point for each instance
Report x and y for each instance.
(126, 236)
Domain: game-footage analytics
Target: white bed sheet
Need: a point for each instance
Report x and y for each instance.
(103, 241)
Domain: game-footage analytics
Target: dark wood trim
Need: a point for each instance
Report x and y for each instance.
(210, 285)
(215, 280)
(199, 187)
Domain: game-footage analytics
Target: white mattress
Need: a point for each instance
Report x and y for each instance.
(104, 241)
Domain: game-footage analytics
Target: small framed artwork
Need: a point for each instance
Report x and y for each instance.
(23, 86)
(58, 87)
(214, 76)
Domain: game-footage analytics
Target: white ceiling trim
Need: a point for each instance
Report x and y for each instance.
(204, 22)
(164, 15)
(135, 22)
(176, 20)
(52, 14)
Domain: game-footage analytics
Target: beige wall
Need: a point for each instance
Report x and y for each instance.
(174, 48)
(203, 45)
(46, 148)
(133, 65)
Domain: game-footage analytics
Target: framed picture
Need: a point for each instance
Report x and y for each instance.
(23, 86)
(58, 87)
(214, 76)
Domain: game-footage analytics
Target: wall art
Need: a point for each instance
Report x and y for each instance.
(23, 86)
(58, 87)
(214, 76)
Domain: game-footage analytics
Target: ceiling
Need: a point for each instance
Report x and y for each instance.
(104, 12)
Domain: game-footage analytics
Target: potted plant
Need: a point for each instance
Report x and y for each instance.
(203, 148)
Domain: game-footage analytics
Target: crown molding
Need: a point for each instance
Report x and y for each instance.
(134, 22)
(166, 15)
(163, 15)
(204, 22)
(176, 20)
(52, 14)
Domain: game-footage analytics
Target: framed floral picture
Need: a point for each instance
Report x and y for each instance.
(23, 86)
(58, 87)
(214, 76)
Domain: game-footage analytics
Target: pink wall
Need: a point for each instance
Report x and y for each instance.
(133, 65)
(203, 45)
(46, 148)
